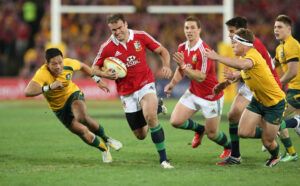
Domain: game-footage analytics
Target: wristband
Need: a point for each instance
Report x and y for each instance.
(97, 79)
(46, 88)
(183, 67)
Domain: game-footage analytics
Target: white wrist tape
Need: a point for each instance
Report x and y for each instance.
(97, 79)
(46, 88)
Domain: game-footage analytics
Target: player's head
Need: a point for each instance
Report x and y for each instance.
(118, 26)
(242, 41)
(282, 27)
(235, 23)
(54, 58)
(192, 28)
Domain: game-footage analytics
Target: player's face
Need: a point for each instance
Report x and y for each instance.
(237, 48)
(119, 30)
(56, 65)
(191, 30)
(281, 30)
(231, 30)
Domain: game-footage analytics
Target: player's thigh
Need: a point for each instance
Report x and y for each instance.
(237, 107)
(248, 122)
(78, 105)
(180, 114)
(149, 103)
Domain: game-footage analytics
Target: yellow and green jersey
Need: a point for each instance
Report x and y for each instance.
(57, 98)
(261, 81)
(287, 51)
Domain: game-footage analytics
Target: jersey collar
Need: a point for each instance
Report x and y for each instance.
(117, 42)
(194, 48)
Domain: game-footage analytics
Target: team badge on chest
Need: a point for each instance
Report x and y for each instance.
(68, 76)
(194, 58)
(137, 46)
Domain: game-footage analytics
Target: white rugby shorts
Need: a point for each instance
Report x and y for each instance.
(245, 92)
(131, 102)
(210, 109)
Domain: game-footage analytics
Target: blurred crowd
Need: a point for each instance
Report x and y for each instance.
(26, 28)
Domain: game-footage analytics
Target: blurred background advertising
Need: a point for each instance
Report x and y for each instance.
(78, 27)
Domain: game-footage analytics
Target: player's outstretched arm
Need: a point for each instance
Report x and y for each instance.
(35, 89)
(165, 58)
(241, 64)
(101, 84)
(176, 78)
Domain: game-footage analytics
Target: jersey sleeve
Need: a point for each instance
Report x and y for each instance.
(75, 64)
(150, 42)
(40, 78)
(277, 54)
(252, 58)
(203, 63)
(292, 51)
(102, 54)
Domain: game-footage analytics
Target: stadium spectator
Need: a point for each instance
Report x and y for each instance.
(65, 99)
(137, 89)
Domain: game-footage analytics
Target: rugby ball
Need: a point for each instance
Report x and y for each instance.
(116, 65)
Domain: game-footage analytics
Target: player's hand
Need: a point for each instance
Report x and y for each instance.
(110, 74)
(221, 86)
(211, 54)
(103, 86)
(166, 72)
(231, 75)
(178, 57)
(56, 85)
(168, 89)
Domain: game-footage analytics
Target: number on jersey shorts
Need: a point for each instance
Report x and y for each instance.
(210, 109)
(131, 102)
(245, 92)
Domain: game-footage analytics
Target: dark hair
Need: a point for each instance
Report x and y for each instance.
(114, 18)
(245, 34)
(51, 53)
(285, 19)
(237, 22)
(195, 19)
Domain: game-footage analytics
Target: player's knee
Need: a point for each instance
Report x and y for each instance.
(234, 115)
(211, 134)
(175, 123)
(269, 144)
(284, 133)
(244, 134)
(82, 118)
(151, 118)
(140, 136)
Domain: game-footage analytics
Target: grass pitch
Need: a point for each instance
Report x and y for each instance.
(35, 149)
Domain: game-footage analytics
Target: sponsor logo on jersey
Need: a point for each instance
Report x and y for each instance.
(194, 58)
(68, 77)
(131, 61)
(137, 46)
(117, 53)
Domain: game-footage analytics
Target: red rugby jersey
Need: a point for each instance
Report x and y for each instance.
(195, 59)
(260, 47)
(133, 54)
